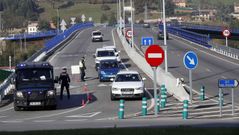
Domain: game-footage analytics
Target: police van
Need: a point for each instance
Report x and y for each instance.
(34, 86)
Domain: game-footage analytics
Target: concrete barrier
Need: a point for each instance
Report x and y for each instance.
(162, 78)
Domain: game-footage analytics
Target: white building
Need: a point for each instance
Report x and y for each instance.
(32, 27)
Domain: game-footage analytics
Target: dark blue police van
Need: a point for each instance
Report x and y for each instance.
(34, 86)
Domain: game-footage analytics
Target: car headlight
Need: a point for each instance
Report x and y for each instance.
(114, 89)
(19, 94)
(102, 72)
(139, 88)
(50, 93)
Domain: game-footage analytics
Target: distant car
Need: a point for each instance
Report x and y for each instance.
(160, 35)
(108, 69)
(146, 25)
(127, 84)
(104, 54)
(97, 36)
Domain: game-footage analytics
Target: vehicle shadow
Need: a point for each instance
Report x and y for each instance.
(75, 101)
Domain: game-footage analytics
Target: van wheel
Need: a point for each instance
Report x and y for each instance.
(16, 108)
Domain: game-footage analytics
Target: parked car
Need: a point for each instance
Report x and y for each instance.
(127, 84)
(97, 36)
(104, 54)
(108, 69)
(160, 35)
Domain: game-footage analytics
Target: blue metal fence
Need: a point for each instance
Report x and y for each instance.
(191, 36)
(34, 35)
(59, 38)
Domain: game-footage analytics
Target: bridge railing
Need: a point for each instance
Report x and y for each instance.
(31, 35)
(49, 45)
(204, 27)
(191, 36)
(6, 86)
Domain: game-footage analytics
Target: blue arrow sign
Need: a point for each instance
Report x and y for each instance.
(146, 41)
(227, 83)
(190, 60)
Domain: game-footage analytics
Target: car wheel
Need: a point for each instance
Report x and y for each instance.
(112, 97)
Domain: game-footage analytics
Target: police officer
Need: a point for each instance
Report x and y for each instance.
(64, 81)
(82, 68)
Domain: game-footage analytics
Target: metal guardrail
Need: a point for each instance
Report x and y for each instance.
(227, 51)
(204, 27)
(5, 87)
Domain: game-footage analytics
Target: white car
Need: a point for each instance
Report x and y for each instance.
(115, 50)
(96, 36)
(127, 84)
(104, 54)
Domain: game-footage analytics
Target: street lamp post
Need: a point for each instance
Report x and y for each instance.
(165, 38)
(57, 10)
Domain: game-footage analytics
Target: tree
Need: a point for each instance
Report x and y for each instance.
(43, 25)
(169, 7)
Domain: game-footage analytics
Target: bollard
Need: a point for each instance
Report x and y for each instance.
(144, 106)
(185, 109)
(163, 96)
(121, 110)
(202, 93)
(158, 103)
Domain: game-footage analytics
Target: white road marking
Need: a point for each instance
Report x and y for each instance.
(208, 70)
(12, 121)
(76, 120)
(3, 116)
(102, 85)
(223, 77)
(43, 121)
(154, 55)
(86, 115)
(6, 109)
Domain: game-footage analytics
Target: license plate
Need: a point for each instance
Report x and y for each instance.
(35, 103)
(127, 92)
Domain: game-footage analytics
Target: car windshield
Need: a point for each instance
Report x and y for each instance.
(127, 78)
(96, 33)
(109, 64)
(25, 75)
(105, 53)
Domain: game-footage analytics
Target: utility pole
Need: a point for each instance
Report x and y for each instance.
(132, 23)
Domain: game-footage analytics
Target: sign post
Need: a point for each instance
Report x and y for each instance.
(227, 83)
(154, 55)
(226, 33)
(190, 61)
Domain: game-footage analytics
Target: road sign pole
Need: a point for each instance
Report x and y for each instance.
(190, 84)
(220, 101)
(232, 101)
(226, 42)
(155, 93)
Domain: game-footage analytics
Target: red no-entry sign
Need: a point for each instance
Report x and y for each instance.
(226, 33)
(128, 33)
(154, 55)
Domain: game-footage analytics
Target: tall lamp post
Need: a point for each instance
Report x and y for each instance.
(165, 38)
(57, 20)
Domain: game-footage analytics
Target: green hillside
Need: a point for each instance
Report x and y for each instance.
(89, 10)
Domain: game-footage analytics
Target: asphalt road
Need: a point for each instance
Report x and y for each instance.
(99, 108)
(101, 112)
